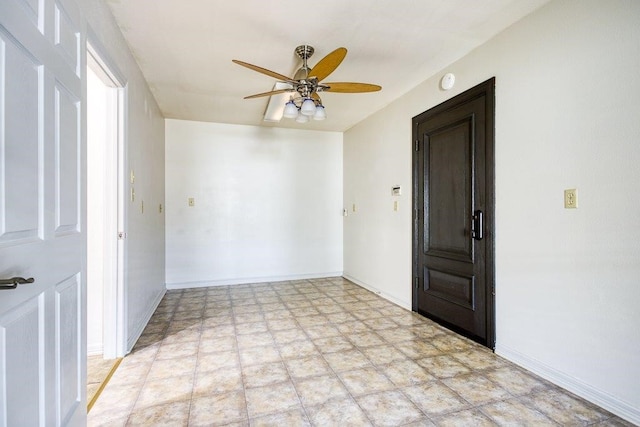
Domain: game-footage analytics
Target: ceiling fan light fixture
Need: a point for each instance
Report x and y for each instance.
(290, 110)
(308, 107)
(302, 118)
(320, 114)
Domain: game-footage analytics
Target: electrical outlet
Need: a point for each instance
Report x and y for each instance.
(571, 198)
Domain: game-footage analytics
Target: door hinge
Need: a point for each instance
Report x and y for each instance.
(122, 235)
(417, 145)
(416, 214)
(415, 282)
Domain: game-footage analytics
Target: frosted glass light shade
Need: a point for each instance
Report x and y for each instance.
(320, 114)
(302, 118)
(290, 110)
(308, 107)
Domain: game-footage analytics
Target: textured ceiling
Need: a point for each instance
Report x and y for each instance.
(185, 48)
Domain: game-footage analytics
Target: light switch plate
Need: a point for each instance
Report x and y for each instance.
(192, 202)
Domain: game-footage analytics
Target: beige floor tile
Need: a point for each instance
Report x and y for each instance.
(218, 409)
(476, 389)
(278, 315)
(405, 373)
(451, 343)
(259, 355)
(365, 381)
(216, 344)
(223, 330)
(217, 360)
(333, 344)
(297, 349)
(296, 353)
(379, 324)
(383, 355)
(565, 408)
(480, 359)
(262, 375)
(169, 415)
(352, 327)
(288, 335)
(389, 408)
(340, 317)
(318, 390)
(435, 398)
(130, 372)
(282, 324)
(416, 349)
(347, 360)
(469, 417)
(365, 339)
(397, 335)
(252, 329)
(116, 401)
(168, 368)
(165, 391)
(100, 420)
(271, 399)
(224, 380)
(295, 418)
(307, 367)
(249, 318)
(512, 413)
(443, 366)
(342, 412)
(181, 350)
(515, 381)
(254, 340)
(321, 331)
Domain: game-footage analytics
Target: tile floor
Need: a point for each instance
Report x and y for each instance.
(324, 353)
(97, 370)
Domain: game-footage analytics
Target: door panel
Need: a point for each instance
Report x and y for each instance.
(453, 170)
(42, 175)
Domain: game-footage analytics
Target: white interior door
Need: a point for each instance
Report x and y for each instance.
(42, 214)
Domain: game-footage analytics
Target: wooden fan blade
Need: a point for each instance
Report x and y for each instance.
(328, 64)
(345, 87)
(315, 96)
(263, 71)
(273, 92)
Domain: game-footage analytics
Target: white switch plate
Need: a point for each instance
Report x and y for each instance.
(192, 202)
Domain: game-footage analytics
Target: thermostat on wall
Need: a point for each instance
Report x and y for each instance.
(396, 190)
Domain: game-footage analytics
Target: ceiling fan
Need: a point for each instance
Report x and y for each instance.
(306, 84)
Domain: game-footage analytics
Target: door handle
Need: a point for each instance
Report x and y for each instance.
(14, 282)
(477, 225)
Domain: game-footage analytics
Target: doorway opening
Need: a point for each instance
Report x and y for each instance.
(105, 288)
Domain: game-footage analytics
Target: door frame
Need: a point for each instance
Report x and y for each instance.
(114, 303)
(486, 89)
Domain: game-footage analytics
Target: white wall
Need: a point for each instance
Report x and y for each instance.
(567, 109)
(268, 203)
(144, 154)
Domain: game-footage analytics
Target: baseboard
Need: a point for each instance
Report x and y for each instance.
(94, 349)
(377, 291)
(133, 338)
(246, 280)
(599, 397)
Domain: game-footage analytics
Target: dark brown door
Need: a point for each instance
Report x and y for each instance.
(453, 167)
